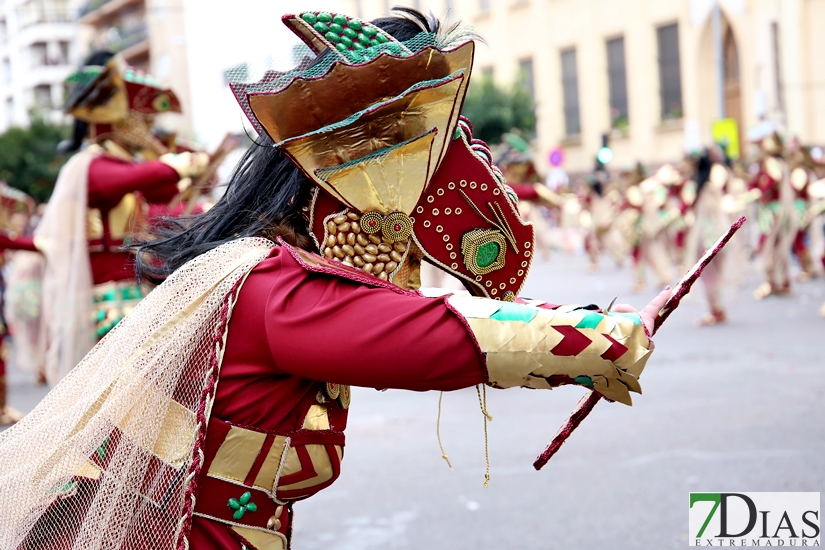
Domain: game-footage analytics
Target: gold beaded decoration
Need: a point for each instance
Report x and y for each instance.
(483, 250)
(333, 390)
(347, 241)
(345, 397)
(397, 226)
(371, 222)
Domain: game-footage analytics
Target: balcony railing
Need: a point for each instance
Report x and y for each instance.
(120, 39)
(92, 5)
(49, 16)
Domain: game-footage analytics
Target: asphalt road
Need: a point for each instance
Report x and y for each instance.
(738, 407)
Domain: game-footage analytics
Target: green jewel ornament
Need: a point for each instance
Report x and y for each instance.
(364, 39)
(355, 24)
(483, 250)
(339, 20)
(351, 34)
(242, 505)
(332, 37)
(324, 17)
(487, 254)
(309, 18)
(346, 42)
(381, 39)
(341, 47)
(370, 31)
(321, 27)
(336, 28)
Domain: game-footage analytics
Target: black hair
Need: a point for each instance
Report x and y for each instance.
(80, 129)
(703, 166)
(264, 197)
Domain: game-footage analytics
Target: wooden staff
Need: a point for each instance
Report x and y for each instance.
(589, 401)
(194, 191)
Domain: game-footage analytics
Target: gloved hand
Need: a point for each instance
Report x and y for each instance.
(187, 165)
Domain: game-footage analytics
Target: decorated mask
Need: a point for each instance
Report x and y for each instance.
(375, 124)
(119, 100)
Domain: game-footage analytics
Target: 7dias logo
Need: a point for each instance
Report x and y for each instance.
(754, 519)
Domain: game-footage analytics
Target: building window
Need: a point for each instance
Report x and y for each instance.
(777, 68)
(38, 55)
(45, 11)
(43, 97)
(6, 72)
(525, 67)
(670, 78)
(570, 91)
(617, 82)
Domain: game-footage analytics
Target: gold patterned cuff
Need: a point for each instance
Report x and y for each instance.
(526, 345)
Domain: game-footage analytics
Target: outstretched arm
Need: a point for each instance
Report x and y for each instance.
(331, 329)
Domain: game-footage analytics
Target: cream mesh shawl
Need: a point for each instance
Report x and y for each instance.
(67, 281)
(140, 400)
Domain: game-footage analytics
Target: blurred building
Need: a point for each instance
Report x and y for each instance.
(36, 47)
(151, 36)
(189, 44)
(644, 72)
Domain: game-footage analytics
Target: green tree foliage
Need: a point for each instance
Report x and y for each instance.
(28, 157)
(495, 110)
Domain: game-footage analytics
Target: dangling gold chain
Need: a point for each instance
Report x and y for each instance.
(438, 431)
(483, 404)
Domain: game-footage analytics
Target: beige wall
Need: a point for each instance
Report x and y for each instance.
(168, 59)
(517, 29)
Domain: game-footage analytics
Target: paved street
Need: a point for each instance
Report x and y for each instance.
(733, 408)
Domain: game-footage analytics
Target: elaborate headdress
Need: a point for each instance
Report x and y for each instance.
(375, 124)
(115, 98)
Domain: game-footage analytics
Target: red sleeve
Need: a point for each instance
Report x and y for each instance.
(111, 179)
(17, 243)
(325, 327)
(525, 191)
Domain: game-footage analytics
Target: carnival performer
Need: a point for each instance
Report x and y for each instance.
(100, 201)
(600, 211)
(776, 216)
(709, 212)
(23, 276)
(222, 398)
(519, 171)
(644, 228)
(13, 203)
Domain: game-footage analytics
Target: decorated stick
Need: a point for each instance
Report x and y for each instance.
(191, 194)
(588, 402)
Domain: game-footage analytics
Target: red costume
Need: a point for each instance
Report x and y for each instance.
(222, 398)
(118, 178)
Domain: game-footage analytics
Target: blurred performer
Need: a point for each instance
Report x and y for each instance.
(223, 398)
(776, 216)
(808, 236)
(520, 175)
(710, 216)
(100, 201)
(23, 296)
(647, 200)
(679, 205)
(12, 203)
(599, 216)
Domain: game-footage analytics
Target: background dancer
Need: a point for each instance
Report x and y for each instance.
(100, 201)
